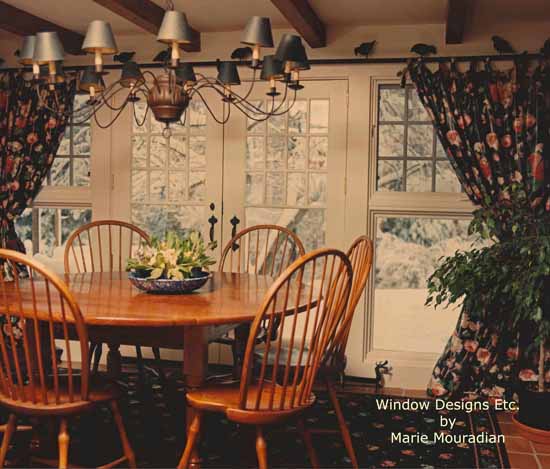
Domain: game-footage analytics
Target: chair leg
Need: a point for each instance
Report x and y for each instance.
(63, 441)
(98, 350)
(306, 435)
(8, 433)
(261, 448)
(158, 362)
(342, 423)
(126, 447)
(194, 430)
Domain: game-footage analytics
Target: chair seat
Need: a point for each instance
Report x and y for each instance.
(225, 399)
(100, 390)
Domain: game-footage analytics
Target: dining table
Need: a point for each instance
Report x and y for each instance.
(118, 313)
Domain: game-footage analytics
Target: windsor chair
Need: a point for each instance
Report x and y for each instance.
(31, 381)
(259, 250)
(271, 394)
(105, 246)
(360, 255)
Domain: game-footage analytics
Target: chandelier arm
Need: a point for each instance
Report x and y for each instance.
(252, 83)
(101, 126)
(224, 120)
(140, 124)
(112, 95)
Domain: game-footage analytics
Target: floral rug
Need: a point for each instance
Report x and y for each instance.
(154, 417)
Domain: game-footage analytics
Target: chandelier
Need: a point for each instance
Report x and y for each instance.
(169, 93)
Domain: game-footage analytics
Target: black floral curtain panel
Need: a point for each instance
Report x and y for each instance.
(493, 126)
(32, 124)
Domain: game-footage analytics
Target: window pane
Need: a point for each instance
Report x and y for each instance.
(318, 152)
(139, 151)
(318, 121)
(81, 171)
(254, 188)
(419, 176)
(197, 117)
(297, 148)
(255, 152)
(60, 172)
(276, 124)
(177, 186)
(416, 111)
(391, 140)
(317, 189)
(252, 125)
(420, 141)
(297, 117)
(197, 151)
(407, 253)
(81, 140)
(71, 219)
(390, 176)
(178, 152)
(275, 188)
(446, 179)
(157, 156)
(275, 152)
(197, 186)
(296, 189)
(391, 106)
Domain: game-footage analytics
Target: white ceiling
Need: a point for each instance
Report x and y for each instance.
(230, 15)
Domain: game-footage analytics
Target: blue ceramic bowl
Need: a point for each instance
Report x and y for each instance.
(166, 286)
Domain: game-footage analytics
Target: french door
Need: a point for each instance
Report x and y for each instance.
(169, 181)
(290, 169)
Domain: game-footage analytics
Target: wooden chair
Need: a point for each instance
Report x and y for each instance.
(31, 381)
(360, 255)
(105, 246)
(261, 250)
(307, 303)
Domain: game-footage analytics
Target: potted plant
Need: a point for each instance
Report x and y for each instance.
(176, 264)
(506, 282)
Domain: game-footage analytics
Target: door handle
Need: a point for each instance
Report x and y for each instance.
(234, 221)
(212, 221)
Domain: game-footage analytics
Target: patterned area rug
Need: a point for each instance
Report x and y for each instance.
(154, 417)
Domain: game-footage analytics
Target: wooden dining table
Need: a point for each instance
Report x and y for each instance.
(118, 313)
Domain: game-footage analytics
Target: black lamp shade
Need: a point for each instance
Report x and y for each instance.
(185, 74)
(303, 62)
(257, 32)
(131, 75)
(271, 68)
(228, 74)
(91, 78)
(290, 49)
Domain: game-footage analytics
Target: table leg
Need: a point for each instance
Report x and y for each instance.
(114, 361)
(241, 338)
(195, 367)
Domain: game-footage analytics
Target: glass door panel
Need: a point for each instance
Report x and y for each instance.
(290, 169)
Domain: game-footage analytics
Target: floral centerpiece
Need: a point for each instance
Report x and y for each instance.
(177, 264)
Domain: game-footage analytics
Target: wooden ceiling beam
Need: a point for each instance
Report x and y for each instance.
(457, 12)
(304, 20)
(147, 15)
(21, 23)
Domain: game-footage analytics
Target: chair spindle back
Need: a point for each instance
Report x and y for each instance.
(29, 372)
(360, 255)
(307, 303)
(103, 246)
(262, 250)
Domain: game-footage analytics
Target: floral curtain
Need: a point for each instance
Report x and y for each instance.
(494, 127)
(32, 125)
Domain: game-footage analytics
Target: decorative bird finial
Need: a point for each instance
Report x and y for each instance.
(423, 49)
(364, 49)
(124, 57)
(242, 53)
(163, 56)
(501, 45)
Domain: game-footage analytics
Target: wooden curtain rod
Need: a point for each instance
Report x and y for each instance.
(373, 61)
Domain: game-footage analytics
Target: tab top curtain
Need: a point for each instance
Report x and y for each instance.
(493, 126)
(32, 125)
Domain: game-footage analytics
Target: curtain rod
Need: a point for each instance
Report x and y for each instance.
(374, 61)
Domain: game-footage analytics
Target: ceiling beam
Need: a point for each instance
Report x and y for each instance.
(21, 23)
(304, 20)
(457, 11)
(147, 15)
